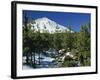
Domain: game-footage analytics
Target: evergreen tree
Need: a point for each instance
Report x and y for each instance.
(68, 40)
(83, 44)
(57, 40)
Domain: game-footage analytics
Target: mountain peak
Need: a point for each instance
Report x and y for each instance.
(49, 25)
(43, 19)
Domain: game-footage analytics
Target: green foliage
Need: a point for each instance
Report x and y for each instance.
(57, 40)
(83, 45)
(25, 51)
(69, 63)
(78, 43)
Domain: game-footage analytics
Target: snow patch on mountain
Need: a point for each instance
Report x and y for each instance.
(45, 24)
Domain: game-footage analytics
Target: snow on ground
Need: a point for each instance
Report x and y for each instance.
(26, 67)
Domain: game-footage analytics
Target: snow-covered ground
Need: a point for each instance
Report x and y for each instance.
(26, 67)
(45, 62)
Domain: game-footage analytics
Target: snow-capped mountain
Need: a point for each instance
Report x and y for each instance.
(45, 24)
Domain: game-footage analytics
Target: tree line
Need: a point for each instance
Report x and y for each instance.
(76, 42)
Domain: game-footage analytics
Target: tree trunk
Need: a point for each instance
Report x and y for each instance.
(34, 60)
(31, 59)
(27, 58)
(39, 58)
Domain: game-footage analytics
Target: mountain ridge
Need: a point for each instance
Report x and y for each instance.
(46, 24)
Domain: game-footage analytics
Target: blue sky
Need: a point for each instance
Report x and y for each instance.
(62, 18)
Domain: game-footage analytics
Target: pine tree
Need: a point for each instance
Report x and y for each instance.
(28, 45)
(57, 40)
(83, 44)
(68, 40)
